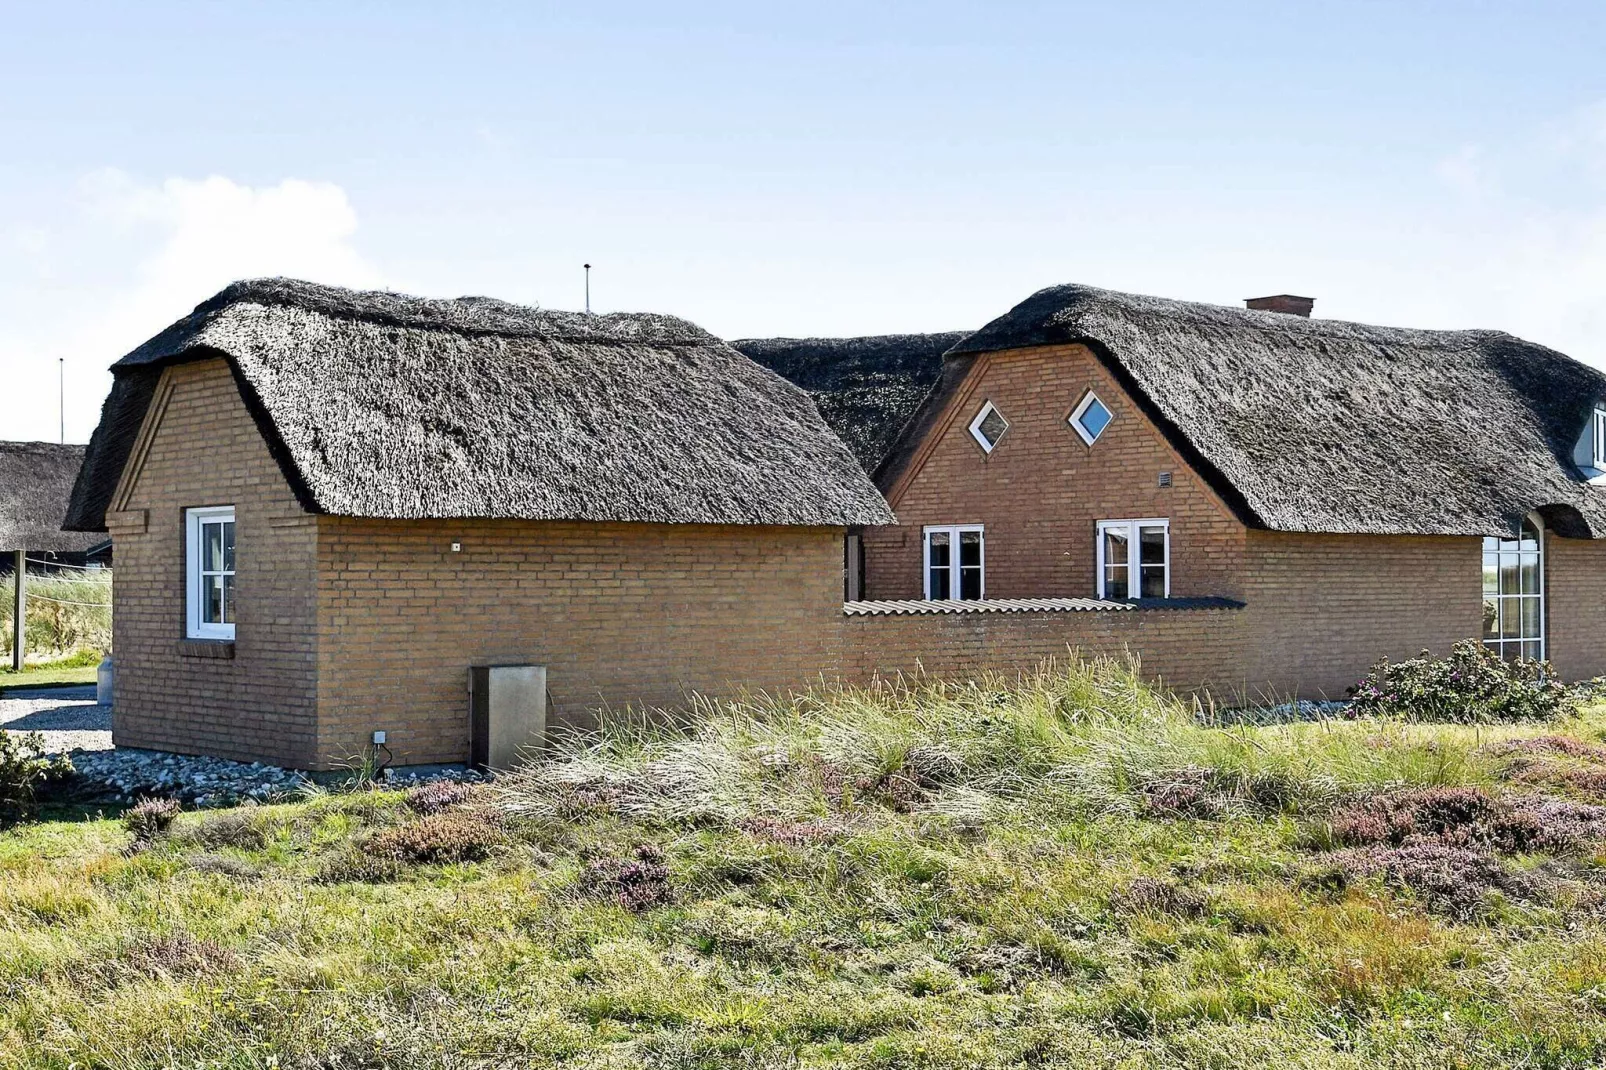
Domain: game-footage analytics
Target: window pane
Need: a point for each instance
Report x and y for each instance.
(1115, 545)
(1491, 573)
(211, 600)
(1530, 618)
(1510, 619)
(939, 549)
(1115, 581)
(1151, 545)
(1491, 619)
(1530, 573)
(211, 546)
(1490, 545)
(1509, 581)
(1530, 536)
(1095, 418)
(970, 549)
(1530, 650)
(228, 545)
(228, 599)
(1153, 581)
(970, 583)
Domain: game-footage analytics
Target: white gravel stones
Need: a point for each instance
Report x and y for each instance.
(69, 722)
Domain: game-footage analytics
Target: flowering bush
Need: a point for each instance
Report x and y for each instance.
(1474, 685)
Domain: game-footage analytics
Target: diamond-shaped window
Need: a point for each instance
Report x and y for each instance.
(988, 427)
(1091, 417)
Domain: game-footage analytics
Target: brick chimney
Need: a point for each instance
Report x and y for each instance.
(1287, 304)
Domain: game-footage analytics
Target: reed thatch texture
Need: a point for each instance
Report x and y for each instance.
(386, 405)
(1326, 426)
(866, 388)
(36, 480)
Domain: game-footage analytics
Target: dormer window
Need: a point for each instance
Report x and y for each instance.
(1597, 436)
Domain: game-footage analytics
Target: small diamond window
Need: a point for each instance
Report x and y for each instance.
(1091, 417)
(988, 427)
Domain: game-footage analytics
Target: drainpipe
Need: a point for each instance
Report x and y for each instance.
(19, 610)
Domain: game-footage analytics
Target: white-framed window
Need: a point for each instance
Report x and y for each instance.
(1597, 438)
(955, 561)
(988, 427)
(1134, 559)
(209, 572)
(1090, 417)
(1514, 594)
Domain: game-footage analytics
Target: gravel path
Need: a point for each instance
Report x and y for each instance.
(66, 717)
(69, 722)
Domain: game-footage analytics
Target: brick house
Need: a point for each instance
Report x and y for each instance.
(1299, 496)
(327, 505)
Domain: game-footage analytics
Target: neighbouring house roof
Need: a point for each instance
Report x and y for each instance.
(385, 405)
(866, 388)
(36, 480)
(1326, 426)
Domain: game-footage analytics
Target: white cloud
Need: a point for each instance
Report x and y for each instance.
(124, 259)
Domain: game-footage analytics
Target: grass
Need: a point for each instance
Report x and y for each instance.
(70, 671)
(1064, 871)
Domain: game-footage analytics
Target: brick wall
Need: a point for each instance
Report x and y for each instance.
(1042, 490)
(261, 704)
(1323, 608)
(1196, 650)
(619, 613)
(1575, 609)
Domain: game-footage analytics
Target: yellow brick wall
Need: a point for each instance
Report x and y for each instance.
(1042, 490)
(1575, 606)
(620, 614)
(262, 703)
(1196, 650)
(1324, 608)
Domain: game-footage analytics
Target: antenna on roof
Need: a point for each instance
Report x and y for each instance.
(588, 289)
(61, 393)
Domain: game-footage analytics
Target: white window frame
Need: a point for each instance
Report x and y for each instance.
(1075, 418)
(975, 428)
(1500, 644)
(953, 531)
(194, 521)
(1134, 545)
(1597, 428)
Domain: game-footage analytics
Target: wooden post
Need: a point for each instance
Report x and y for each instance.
(19, 610)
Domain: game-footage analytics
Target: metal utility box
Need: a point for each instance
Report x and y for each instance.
(507, 713)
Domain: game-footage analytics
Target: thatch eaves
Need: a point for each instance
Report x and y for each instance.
(36, 480)
(386, 405)
(1327, 426)
(867, 388)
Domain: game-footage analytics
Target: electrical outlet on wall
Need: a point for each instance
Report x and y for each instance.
(379, 737)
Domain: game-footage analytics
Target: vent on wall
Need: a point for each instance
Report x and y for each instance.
(1165, 479)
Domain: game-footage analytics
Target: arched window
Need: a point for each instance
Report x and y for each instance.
(1514, 594)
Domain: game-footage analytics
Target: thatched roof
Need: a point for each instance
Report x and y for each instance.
(36, 479)
(866, 388)
(385, 405)
(1326, 426)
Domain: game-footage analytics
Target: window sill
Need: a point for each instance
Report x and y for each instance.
(206, 648)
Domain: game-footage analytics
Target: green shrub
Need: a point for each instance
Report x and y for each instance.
(23, 772)
(1474, 685)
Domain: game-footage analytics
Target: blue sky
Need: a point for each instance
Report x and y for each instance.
(799, 169)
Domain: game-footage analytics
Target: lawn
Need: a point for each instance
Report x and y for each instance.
(66, 673)
(1069, 871)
